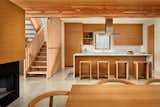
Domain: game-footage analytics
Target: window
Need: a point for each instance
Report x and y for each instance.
(102, 41)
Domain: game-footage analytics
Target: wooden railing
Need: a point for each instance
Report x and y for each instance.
(32, 50)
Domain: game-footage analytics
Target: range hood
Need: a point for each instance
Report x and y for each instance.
(109, 29)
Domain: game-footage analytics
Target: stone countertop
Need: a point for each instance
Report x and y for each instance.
(111, 54)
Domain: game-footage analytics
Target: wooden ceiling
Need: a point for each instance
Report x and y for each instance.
(90, 8)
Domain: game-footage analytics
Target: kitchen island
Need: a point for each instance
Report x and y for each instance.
(111, 58)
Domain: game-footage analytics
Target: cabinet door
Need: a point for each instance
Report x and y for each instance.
(130, 34)
(73, 40)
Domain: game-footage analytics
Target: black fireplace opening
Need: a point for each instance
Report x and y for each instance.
(9, 83)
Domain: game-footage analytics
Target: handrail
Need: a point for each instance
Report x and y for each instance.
(36, 24)
(32, 50)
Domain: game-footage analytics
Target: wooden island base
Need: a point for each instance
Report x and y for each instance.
(112, 60)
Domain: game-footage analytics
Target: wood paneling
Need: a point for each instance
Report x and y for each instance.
(73, 40)
(81, 8)
(130, 34)
(151, 41)
(111, 59)
(93, 28)
(53, 46)
(12, 32)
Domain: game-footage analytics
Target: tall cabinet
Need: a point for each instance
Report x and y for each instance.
(73, 41)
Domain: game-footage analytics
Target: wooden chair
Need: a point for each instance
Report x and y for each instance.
(90, 68)
(126, 68)
(137, 68)
(150, 82)
(98, 68)
(102, 82)
(46, 95)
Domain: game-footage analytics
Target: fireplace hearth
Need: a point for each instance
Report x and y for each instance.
(9, 83)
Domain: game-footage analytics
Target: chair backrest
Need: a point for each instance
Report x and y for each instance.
(151, 82)
(102, 82)
(46, 95)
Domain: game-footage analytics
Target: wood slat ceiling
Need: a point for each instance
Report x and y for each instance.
(86, 8)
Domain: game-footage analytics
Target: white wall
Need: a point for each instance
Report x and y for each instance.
(44, 22)
(157, 45)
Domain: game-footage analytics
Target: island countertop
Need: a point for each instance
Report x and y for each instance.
(110, 54)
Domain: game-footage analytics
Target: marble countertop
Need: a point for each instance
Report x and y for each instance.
(110, 54)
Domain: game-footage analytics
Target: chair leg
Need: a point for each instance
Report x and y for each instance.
(51, 101)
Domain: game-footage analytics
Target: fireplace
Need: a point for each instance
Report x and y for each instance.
(9, 83)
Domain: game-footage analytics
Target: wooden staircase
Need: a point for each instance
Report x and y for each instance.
(39, 64)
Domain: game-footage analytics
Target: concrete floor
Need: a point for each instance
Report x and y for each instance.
(33, 86)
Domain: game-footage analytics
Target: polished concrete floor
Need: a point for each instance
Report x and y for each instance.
(33, 86)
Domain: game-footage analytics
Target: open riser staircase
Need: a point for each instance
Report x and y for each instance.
(39, 64)
(36, 63)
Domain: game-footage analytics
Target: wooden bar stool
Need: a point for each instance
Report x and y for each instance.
(90, 68)
(98, 68)
(137, 68)
(126, 68)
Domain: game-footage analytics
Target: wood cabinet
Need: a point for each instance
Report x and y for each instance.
(73, 41)
(88, 38)
(93, 28)
(151, 41)
(130, 34)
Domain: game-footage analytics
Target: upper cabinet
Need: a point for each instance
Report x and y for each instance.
(93, 28)
(129, 34)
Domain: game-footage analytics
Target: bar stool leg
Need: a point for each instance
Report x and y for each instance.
(127, 69)
(147, 71)
(116, 71)
(137, 71)
(80, 71)
(108, 71)
(90, 68)
(97, 70)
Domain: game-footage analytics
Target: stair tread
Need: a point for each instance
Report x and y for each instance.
(39, 61)
(34, 66)
(37, 72)
(41, 56)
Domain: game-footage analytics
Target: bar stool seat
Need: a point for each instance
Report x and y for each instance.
(81, 66)
(98, 69)
(137, 68)
(126, 68)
